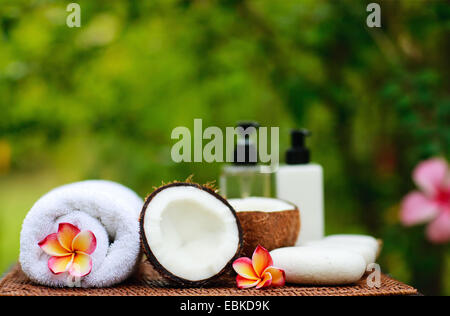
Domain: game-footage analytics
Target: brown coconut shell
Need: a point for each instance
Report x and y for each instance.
(154, 261)
(271, 230)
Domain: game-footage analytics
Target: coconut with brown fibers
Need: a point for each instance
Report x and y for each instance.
(271, 223)
(190, 234)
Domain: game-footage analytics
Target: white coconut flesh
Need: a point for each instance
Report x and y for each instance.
(261, 204)
(191, 233)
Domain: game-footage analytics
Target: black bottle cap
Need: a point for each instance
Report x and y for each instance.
(298, 153)
(245, 153)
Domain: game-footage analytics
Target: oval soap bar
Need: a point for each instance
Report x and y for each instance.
(356, 240)
(321, 266)
(366, 251)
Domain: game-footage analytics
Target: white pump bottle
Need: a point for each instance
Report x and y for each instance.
(301, 183)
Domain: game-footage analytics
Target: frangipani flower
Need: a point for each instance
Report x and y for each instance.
(70, 249)
(258, 272)
(433, 203)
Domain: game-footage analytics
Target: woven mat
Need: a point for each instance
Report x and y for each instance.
(147, 282)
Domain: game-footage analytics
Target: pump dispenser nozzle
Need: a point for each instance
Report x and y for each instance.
(245, 152)
(298, 153)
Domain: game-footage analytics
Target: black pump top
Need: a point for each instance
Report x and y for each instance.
(298, 153)
(245, 153)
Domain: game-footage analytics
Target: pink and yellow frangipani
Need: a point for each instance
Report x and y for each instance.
(70, 250)
(258, 272)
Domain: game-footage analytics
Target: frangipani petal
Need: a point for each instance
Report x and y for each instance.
(66, 234)
(52, 247)
(266, 281)
(60, 264)
(244, 283)
(81, 266)
(278, 276)
(259, 271)
(261, 260)
(438, 231)
(85, 242)
(417, 209)
(430, 174)
(244, 267)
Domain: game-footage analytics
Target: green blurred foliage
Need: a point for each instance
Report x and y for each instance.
(101, 101)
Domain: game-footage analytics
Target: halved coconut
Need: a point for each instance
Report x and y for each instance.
(190, 233)
(271, 223)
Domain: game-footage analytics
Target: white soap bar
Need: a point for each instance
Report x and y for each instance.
(357, 240)
(366, 251)
(321, 266)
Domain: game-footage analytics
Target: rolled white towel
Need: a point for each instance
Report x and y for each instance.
(107, 209)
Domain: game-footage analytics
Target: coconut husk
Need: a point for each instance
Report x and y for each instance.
(271, 230)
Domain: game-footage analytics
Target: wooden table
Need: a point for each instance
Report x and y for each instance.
(147, 282)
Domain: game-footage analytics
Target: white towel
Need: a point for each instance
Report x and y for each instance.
(108, 209)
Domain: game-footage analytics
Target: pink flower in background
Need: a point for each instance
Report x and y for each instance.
(432, 203)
